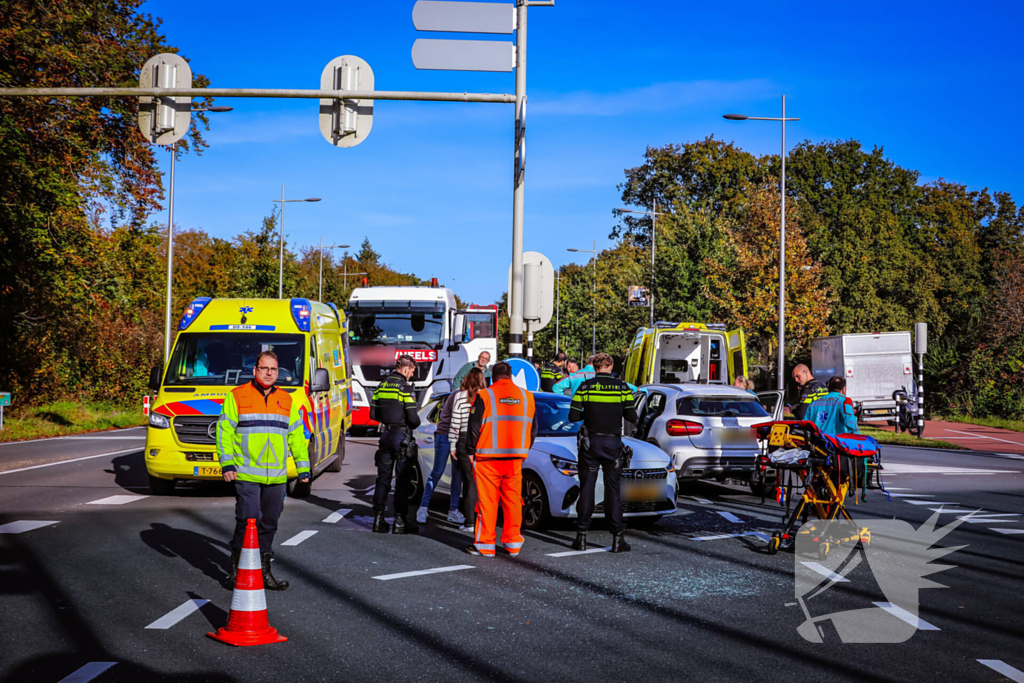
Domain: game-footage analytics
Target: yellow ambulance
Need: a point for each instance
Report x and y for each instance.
(217, 344)
(686, 353)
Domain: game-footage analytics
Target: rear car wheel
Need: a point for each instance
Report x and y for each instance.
(535, 502)
(416, 486)
(160, 487)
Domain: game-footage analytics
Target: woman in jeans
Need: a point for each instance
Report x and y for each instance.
(458, 434)
(441, 453)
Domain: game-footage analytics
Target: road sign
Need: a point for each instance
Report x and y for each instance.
(524, 374)
(165, 120)
(637, 296)
(346, 123)
(463, 55)
(5, 400)
(464, 17)
(538, 290)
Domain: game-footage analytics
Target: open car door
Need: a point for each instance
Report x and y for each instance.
(772, 403)
(736, 347)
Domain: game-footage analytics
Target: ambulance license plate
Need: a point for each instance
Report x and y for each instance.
(642, 492)
(206, 471)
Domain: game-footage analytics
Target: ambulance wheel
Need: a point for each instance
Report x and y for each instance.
(535, 502)
(823, 549)
(160, 487)
(773, 545)
(335, 465)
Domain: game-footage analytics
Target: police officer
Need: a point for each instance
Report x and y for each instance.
(553, 372)
(810, 390)
(601, 403)
(394, 407)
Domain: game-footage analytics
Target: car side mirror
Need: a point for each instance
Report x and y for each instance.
(154, 378)
(321, 381)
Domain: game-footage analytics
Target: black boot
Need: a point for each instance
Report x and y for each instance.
(379, 525)
(581, 541)
(269, 582)
(402, 526)
(236, 555)
(619, 544)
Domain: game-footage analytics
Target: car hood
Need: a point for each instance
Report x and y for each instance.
(645, 455)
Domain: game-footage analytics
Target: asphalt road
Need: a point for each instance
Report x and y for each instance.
(83, 574)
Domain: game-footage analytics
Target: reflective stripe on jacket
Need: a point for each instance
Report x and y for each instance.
(507, 427)
(255, 435)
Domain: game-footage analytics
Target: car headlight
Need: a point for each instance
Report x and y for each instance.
(566, 467)
(159, 421)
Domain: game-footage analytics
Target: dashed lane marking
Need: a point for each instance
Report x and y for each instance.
(911, 495)
(893, 488)
(87, 672)
(759, 534)
(702, 501)
(909, 617)
(948, 511)
(1008, 532)
(932, 502)
(826, 572)
(731, 517)
(65, 462)
(23, 525)
(999, 666)
(906, 468)
(336, 516)
(423, 572)
(569, 553)
(177, 614)
(990, 519)
(299, 537)
(116, 500)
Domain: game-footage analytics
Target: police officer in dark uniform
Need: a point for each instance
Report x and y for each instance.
(394, 406)
(601, 404)
(810, 390)
(553, 372)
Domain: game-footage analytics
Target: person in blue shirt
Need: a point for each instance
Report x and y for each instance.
(570, 384)
(833, 413)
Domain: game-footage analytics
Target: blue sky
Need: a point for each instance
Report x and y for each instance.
(937, 84)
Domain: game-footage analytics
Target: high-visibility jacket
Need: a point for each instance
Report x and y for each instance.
(809, 393)
(550, 375)
(255, 435)
(504, 427)
(833, 413)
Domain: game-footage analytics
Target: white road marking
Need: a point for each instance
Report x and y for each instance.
(299, 537)
(569, 553)
(911, 495)
(990, 519)
(999, 666)
(60, 438)
(422, 572)
(87, 672)
(64, 462)
(931, 502)
(893, 488)
(731, 517)
(947, 511)
(22, 526)
(702, 501)
(763, 536)
(906, 468)
(336, 516)
(177, 614)
(103, 438)
(981, 436)
(906, 616)
(116, 500)
(826, 572)
(1008, 531)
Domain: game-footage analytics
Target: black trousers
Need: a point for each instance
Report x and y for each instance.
(469, 494)
(262, 502)
(387, 457)
(603, 455)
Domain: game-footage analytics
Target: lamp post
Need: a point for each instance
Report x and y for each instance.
(593, 343)
(353, 274)
(320, 297)
(558, 305)
(280, 271)
(654, 224)
(782, 237)
(170, 244)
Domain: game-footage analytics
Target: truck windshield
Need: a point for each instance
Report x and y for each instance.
(227, 358)
(395, 326)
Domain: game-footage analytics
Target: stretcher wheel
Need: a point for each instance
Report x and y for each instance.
(773, 545)
(823, 549)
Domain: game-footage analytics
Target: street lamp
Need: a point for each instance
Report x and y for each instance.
(782, 238)
(170, 244)
(654, 217)
(320, 297)
(280, 271)
(593, 344)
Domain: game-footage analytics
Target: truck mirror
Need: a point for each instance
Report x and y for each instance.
(154, 378)
(458, 329)
(321, 381)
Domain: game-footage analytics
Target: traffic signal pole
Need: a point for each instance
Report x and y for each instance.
(515, 328)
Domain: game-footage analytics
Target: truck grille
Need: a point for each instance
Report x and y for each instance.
(376, 373)
(195, 429)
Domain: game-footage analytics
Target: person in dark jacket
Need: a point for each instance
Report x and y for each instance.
(810, 390)
(553, 372)
(394, 407)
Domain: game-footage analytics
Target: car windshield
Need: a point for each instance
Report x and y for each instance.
(552, 415)
(227, 358)
(396, 327)
(720, 406)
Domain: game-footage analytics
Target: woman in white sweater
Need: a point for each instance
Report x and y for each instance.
(458, 433)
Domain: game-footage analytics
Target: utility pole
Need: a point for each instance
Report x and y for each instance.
(515, 330)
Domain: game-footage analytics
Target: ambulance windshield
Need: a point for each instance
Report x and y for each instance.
(227, 358)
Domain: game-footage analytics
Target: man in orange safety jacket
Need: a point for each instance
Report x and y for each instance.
(501, 431)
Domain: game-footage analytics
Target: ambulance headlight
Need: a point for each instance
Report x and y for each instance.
(159, 421)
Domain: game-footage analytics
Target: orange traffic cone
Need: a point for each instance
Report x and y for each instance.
(247, 623)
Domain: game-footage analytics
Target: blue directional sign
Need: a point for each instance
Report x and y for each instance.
(524, 374)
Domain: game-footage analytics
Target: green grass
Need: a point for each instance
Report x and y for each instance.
(67, 417)
(885, 437)
(999, 422)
